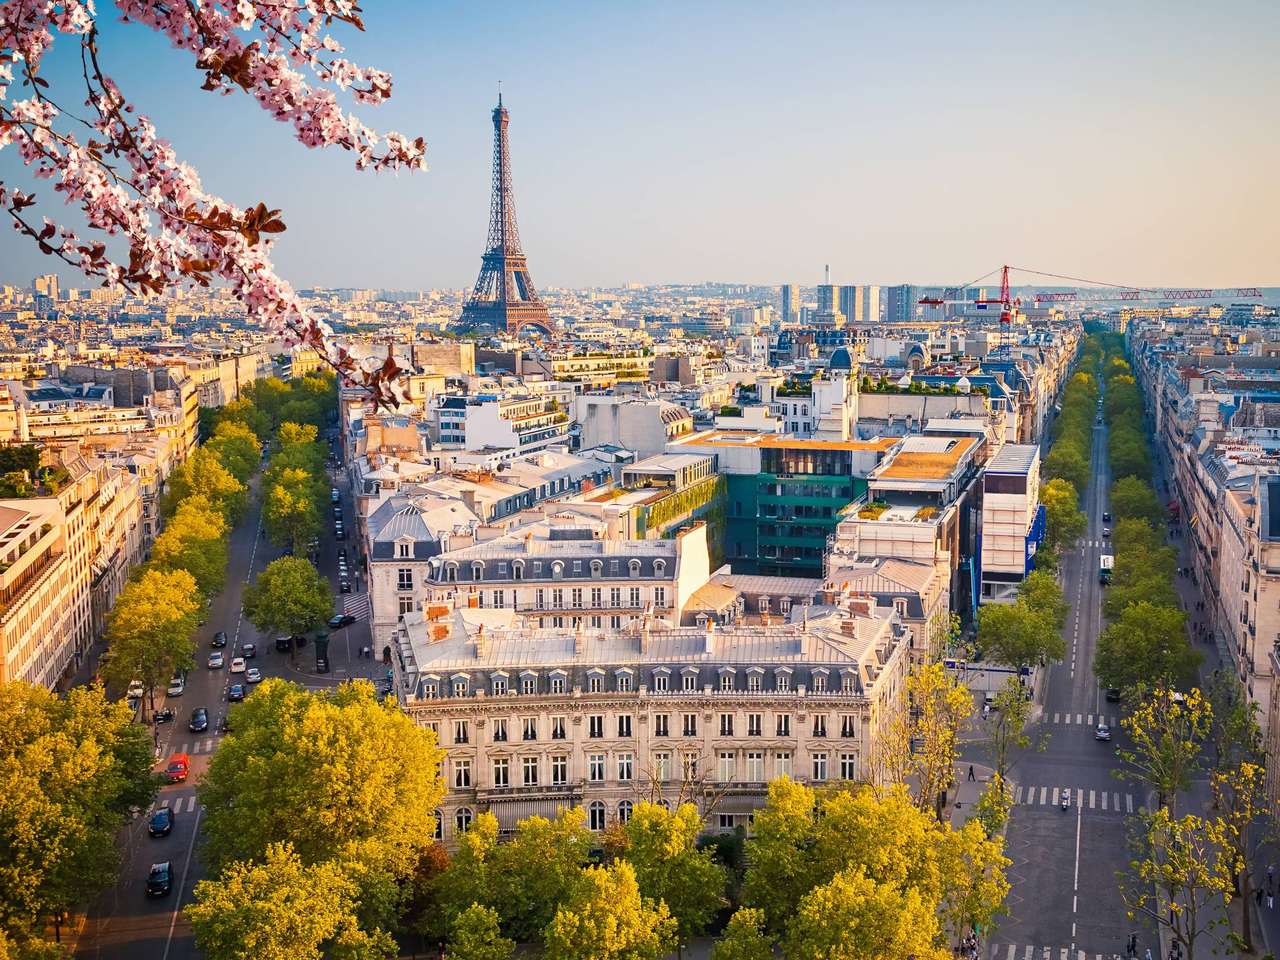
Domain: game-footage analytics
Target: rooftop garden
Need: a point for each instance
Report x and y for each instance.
(728, 410)
(885, 385)
(873, 510)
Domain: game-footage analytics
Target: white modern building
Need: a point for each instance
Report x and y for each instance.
(1012, 520)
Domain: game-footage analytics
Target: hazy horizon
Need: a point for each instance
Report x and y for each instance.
(670, 145)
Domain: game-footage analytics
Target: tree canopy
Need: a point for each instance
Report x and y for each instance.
(195, 540)
(289, 596)
(605, 918)
(1146, 644)
(150, 629)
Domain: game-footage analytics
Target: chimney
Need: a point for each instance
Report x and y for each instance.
(644, 634)
(482, 645)
(708, 640)
(579, 640)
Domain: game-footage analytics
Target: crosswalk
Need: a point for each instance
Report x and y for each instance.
(194, 746)
(356, 605)
(1097, 543)
(181, 804)
(1018, 951)
(1108, 801)
(1088, 719)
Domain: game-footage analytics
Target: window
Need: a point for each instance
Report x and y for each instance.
(727, 821)
(459, 731)
(477, 571)
(595, 683)
(764, 604)
(819, 724)
(726, 724)
(501, 772)
(406, 605)
(690, 680)
(529, 765)
(500, 730)
(539, 599)
(459, 687)
(626, 765)
(615, 596)
(635, 597)
(517, 571)
(596, 622)
(690, 724)
(662, 766)
(726, 681)
(404, 579)
(615, 623)
(783, 682)
(624, 682)
(557, 684)
(462, 773)
(848, 725)
(848, 766)
(633, 568)
(782, 764)
(530, 728)
(660, 682)
(439, 832)
(624, 811)
(755, 766)
(624, 724)
(557, 728)
(595, 767)
(660, 725)
(659, 596)
(819, 683)
(755, 724)
(557, 599)
(597, 569)
(595, 815)
(595, 726)
(462, 819)
(499, 599)
(819, 767)
(848, 683)
(726, 767)
(557, 571)
(753, 683)
(597, 597)
(559, 770)
(499, 686)
(575, 598)
(689, 763)
(528, 685)
(784, 606)
(404, 550)
(451, 573)
(784, 724)
(434, 727)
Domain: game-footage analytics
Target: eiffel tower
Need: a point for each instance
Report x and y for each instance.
(504, 295)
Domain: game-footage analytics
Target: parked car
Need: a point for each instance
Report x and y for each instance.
(199, 720)
(248, 650)
(335, 496)
(159, 879)
(237, 664)
(1102, 733)
(235, 693)
(252, 675)
(176, 687)
(339, 620)
(179, 765)
(215, 660)
(344, 586)
(1106, 518)
(161, 823)
(165, 715)
(282, 644)
(1113, 695)
(322, 664)
(1106, 533)
(136, 690)
(339, 534)
(337, 513)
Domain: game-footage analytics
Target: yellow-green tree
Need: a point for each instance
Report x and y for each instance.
(1006, 724)
(992, 808)
(744, 938)
(1167, 731)
(291, 509)
(1020, 633)
(72, 771)
(853, 917)
(195, 540)
(237, 447)
(204, 473)
(606, 918)
(929, 716)
(151, 627)
(662, 846)
(1064, 520)
(1242, 823)
(1179, 877)
(476, 935)
(348, 778)
(282, 909)
(289, 596)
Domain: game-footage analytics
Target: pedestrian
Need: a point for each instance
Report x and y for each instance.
(1258, 896)
(971, 776)
(1271, 901)
(1271, 867)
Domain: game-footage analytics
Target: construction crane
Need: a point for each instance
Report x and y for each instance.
(1006, 302)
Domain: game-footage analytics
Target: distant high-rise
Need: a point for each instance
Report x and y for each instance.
(790, 303)
(860, 304)
(46, 285)
(900, 303)
(828, 313)
(504, 297)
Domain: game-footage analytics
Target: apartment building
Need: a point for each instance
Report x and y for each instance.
(535, 721)
(519, 424)
(1012, 521)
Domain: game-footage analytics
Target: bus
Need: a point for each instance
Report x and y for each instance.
(1105, 563)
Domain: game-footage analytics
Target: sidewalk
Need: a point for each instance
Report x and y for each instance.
(963, 797)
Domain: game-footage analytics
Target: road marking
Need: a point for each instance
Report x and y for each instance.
(186, 867)
(1043, 791)
(1090, 799)
(1054, 796)
(164, 804)
(1128, 803)
(1017, 796)
(1104, 799)
(1055, 718)
(1079, 718)
(1075, 886)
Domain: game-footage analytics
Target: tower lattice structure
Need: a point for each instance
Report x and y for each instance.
(504, 295)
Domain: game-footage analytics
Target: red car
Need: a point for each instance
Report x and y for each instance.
(179, 764)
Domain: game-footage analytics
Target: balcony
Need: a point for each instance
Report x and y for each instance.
(572, 790)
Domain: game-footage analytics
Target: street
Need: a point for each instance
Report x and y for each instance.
(1064, 900)
(125, 924)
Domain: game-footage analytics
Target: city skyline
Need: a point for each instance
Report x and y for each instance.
(763, 149)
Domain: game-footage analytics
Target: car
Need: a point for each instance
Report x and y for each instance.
(160, 879)
(235, 693)
(1106, 532)
(219, 640)
(199, 720)
(1113, 695)
(344, 586)
(136, 690)
(283, 645)
(215, 660)
(176, 687)
(989, 700)
(161, 823)
(339, 620)
(237, 664)
(1106, 518)
(179, 765)
(248, 650)
(1099, 420)
(252, 675)
(337, 513)
(335, 496)
(1102, 733)
(339, 534)
(342, 554)
(322, 664)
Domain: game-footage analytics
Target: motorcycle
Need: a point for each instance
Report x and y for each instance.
(1065, 803)
(164, 716)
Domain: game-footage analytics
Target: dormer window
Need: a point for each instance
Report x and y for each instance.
(623, 681)
(499, 686)
(659, 568)
(451, 573)
(764, 604)
(477, 571)
(900, 606)
(517, 570)
(597, 569)
(557, 571)
(459, 686)
(633, 568)
(784, 606)
(404, 550)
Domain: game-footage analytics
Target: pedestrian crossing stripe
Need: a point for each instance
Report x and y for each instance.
(178, 804)
(356, 605)
(199, 746)
(1112, 801)
(1082, 719)
(1017, 951)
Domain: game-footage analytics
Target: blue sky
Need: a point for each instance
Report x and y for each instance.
(755, 142)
